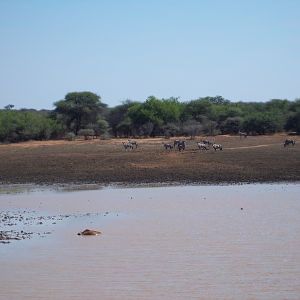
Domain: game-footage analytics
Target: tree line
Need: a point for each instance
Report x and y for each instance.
(84, 114)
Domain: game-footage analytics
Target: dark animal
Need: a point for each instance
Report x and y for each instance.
(289, 142)
(176, 142)
(181, 145)
(133, 143)
(217, 147)
(168, 146)
(127, 146)
(243, 134)
(203, 146)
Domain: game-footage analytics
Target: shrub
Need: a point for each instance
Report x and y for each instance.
(293, 122)
(231, 125)
(70, 136)
(86, 133)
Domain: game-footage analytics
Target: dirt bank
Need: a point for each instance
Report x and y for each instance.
(254, 159)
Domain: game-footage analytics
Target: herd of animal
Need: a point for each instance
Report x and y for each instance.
(206, 145)
(180, 145)
(130, 145)
(203, 145)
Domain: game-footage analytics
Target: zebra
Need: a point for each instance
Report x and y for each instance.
(133, 143)
(243, 134)
(203, 146)
(127, 146)
(168, 146)
(217, 147)
(289, 142)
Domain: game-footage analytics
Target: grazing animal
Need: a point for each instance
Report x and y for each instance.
(217, 147)
(168, 146)
(289, 142)
(89, 232)
(243, 134)
(133, 143)
(127, 146)
(203, 146)
(180, 145)
(176, 142)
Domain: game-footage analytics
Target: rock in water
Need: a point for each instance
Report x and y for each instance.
(89, 232)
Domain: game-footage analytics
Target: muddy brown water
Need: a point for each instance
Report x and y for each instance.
(185, 242)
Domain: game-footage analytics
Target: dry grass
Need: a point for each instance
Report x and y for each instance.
(254, 159)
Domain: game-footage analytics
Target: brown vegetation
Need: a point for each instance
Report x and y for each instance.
(254, 159)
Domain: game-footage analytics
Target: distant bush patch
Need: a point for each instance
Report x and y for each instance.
(87, 133)
(70, 136)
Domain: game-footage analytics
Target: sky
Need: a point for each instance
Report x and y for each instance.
(131, 49)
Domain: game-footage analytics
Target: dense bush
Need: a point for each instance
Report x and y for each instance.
(231, 125)
(293, 122)
(70, 136)
(87, 133)
(261, 123)
(83, 113)
(18, 126)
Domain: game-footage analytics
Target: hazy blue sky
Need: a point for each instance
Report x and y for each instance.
(242, 50)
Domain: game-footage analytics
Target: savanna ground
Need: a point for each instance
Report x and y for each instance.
(252, 159)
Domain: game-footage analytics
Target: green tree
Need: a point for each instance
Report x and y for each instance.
(79, 109)
(293, 122)
(117, 116)
(9, 107)
(231, 125)
(87, 133)
(18, 125)
(192, 128)
(260, 123)
(157, 112)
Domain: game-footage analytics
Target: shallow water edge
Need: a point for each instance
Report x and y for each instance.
(17, 188)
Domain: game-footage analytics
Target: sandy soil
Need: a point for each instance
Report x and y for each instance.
(253, 159)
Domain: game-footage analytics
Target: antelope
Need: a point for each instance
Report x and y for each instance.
(217, 147)
(168, 146)
(127, 146)
(134, 143)
(180, 145)
(203, 146)
(243, 134)
(289, 142)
